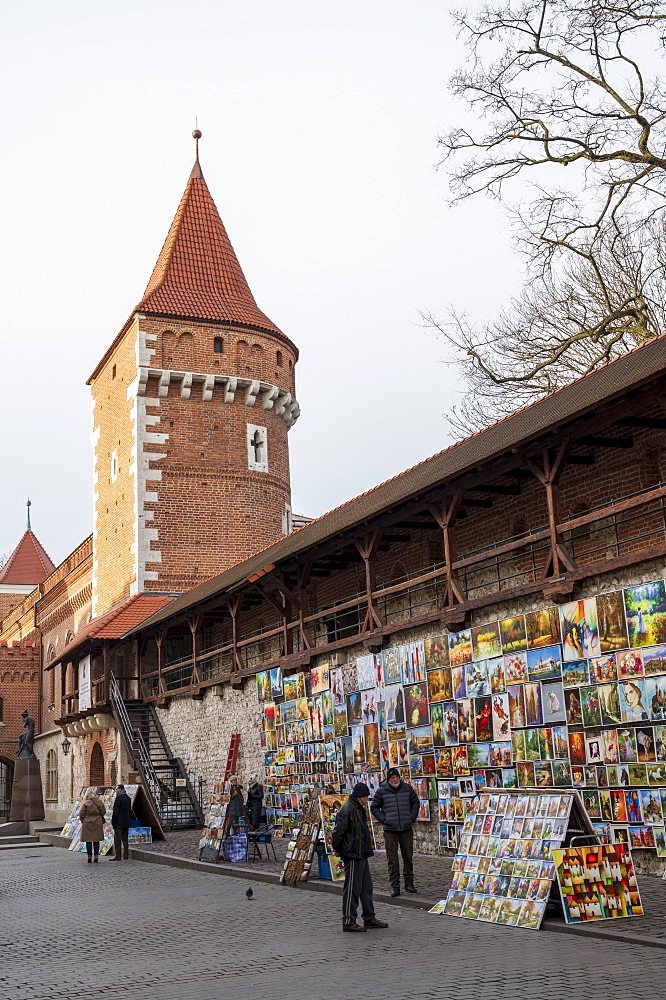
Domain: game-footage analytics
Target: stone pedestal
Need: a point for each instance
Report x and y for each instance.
(27, 798)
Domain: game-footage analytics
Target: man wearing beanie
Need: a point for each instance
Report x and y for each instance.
(351, 841)
(396, 806)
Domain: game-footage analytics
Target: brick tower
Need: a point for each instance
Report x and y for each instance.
(192, 404)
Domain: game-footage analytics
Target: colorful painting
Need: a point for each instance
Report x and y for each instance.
(416, 706)
(486, 641)
(611, 622)
(597, 883)
(645, 609)
(264, 686)
(575, 673)
(437, 652)
(515, 668)
(580, 634)
(543, 628)
(277, 689)
(439, 685)
(319, 679)
(477, 679)
(544, 664)
(460, 647)
(392, 666)
(365, 672)
(513, 635)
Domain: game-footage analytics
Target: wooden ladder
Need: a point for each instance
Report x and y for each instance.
(232, 757)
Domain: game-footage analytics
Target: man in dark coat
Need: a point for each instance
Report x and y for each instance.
(396, 805)
(255, 799)
(351, 841)
(120, 821)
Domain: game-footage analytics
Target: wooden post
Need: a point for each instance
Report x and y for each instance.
(234, 603)
(302, 583)
(107, 669)
(194, 621)
(445, 517)
(159, 639)
(368, 550)
(549, 476)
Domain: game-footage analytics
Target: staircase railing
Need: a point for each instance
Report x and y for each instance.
(135, 747)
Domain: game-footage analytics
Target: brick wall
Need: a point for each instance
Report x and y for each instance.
(19, 690)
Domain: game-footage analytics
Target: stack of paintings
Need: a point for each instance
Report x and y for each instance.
(72, 827)
(212, 834)
(504, 867)
(597, 883)
(300, 853)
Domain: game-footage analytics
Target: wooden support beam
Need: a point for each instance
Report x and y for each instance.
(445, 517)
(549, 476)
(302, 580)
(658, 423)
(368, 548)
(160, 638)
(194, 621)
(234, 603)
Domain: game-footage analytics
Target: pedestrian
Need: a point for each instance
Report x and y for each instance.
(351, 842)
(255, 801)
(120, 821)
(396, 806)
(92, 814)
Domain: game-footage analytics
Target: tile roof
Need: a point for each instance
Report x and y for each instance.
(117, 622)
(515, 431)
(28, 564)
(197, 274)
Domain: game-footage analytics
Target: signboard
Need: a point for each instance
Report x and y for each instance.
(85, 697)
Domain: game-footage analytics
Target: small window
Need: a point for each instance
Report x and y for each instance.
(114, 466)
(278, 358)
(218, 345)
(52, 775)
(257, 448)
(113, 372)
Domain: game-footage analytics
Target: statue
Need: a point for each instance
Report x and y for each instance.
(26, 740)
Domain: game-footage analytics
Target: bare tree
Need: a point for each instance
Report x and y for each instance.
(557, 84)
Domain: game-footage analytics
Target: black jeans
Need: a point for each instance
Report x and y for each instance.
(92, 846)
(121, 843)
(358, 886)
(405, 840)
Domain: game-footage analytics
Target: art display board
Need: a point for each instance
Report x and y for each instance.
(504, 870)
(572, 696)
(597, 883)
(72, 827)
(300, 854)
(212, 834)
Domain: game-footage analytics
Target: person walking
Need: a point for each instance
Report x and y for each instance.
(396, 806)
(92, 814)
(351, 842)
(255, 800)
(120, 821)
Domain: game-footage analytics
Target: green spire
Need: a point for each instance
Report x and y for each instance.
(28, 505)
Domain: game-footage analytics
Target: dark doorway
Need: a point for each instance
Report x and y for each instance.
(96, 765)
(6, 776)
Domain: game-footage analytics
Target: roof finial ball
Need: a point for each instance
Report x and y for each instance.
(196, 135)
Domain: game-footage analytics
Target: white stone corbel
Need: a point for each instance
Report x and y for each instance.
(165, 379)
(142, 381)
(251, 393)
(269, 396)
(230, 389)
(208, 386)
(186, 385)
(283, 401)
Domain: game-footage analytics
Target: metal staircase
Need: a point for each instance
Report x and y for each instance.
(163, 776)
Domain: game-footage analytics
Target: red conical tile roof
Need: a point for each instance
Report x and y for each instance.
(197, 274)
(28, 564)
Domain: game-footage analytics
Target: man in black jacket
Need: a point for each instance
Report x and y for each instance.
(120, 821)
(351, 841)
(396, 806)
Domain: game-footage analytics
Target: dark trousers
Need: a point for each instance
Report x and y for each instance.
(121, 843)
(404, 840)
(358, 886)
(92, 845)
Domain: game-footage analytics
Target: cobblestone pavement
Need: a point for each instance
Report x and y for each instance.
(73, 931)
(433, 878)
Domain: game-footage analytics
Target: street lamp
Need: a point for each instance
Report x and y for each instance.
(65, 746)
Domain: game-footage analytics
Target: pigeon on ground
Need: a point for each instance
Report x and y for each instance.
(249, 894)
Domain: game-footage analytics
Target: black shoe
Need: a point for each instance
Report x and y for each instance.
(89, 860)
(352, 927)
(374, 922)
(395, 891)
(411, 888)
(96, 858)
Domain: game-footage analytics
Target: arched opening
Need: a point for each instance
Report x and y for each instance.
(218, 345)
(96, 765)
(6, 777)
(242, 356)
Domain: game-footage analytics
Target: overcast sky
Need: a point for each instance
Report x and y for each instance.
(319, 146)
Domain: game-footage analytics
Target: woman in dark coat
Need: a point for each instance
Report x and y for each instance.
(92, 814)
(235, 810)
(255, 801)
